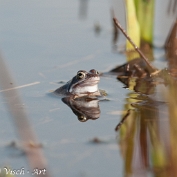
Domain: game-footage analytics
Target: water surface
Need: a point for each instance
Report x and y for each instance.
(48, 42)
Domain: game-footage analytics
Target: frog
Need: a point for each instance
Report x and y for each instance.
(82, 84)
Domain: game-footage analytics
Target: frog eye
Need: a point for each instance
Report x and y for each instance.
(82, 118)
(97, 72)
(80, 75)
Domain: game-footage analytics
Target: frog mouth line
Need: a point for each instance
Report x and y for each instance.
(91, 81)
(84, 84)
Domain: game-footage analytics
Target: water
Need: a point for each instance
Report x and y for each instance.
(46, 42)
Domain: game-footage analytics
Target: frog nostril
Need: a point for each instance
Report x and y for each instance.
(93, 71)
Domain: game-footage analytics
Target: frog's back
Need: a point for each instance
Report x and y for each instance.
(63, 90)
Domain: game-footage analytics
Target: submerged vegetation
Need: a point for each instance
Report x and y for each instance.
(153, 100)
(146, 134)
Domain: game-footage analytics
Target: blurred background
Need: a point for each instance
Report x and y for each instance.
(44, 44)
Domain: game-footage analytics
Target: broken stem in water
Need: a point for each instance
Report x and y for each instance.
(152, 69)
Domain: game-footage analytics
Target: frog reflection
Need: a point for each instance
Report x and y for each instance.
(83, 84)
(84, 108)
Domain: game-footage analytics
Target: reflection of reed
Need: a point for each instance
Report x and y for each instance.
(171, 48)
(142, 139)
(115, 33)
(83, 9)
(173, 130)
(172, 6)
(26, 134)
